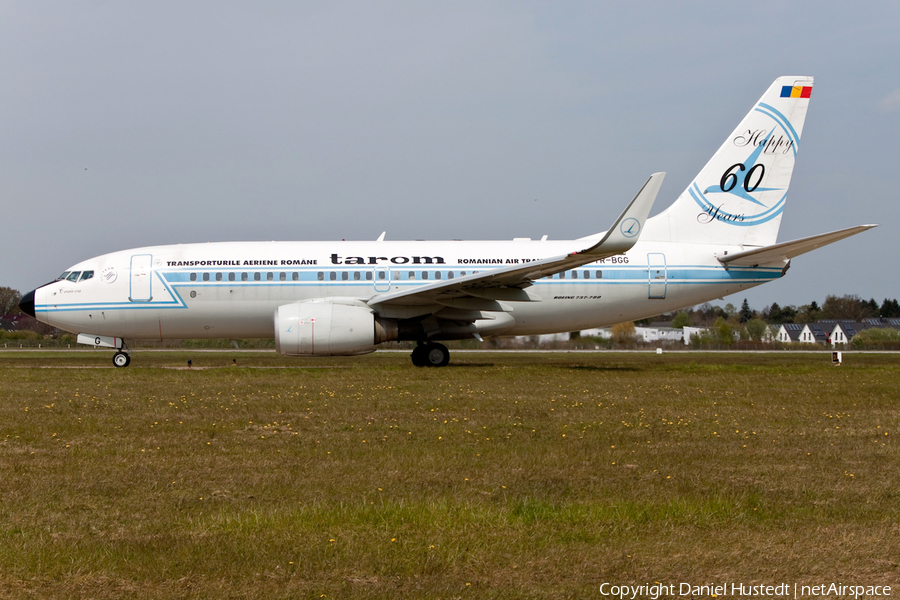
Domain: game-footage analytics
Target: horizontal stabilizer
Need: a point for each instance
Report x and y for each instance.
(788, 250)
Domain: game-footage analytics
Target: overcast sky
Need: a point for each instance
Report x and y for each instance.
(125, 124)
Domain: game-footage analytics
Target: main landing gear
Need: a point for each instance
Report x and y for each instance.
(430, 355)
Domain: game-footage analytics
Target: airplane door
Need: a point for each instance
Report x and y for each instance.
(141, 278)
(656, 273)
(382, 279)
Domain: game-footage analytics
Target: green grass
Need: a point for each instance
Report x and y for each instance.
(502, 476)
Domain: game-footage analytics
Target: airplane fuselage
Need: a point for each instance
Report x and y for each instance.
(231, 290)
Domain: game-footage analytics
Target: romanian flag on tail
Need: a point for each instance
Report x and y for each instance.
(796, 91)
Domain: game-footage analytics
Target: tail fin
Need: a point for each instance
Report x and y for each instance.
(739, 196)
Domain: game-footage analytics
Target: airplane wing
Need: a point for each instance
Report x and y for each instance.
(483, 290)
(788, 250)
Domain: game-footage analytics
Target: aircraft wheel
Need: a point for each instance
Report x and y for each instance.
(418, 355)
(120, 359)
(437, 355)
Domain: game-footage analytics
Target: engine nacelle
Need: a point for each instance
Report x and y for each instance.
(329, 327)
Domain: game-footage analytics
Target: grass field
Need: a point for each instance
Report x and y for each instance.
(500, 476)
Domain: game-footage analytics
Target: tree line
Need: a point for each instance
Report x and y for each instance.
(844, 308)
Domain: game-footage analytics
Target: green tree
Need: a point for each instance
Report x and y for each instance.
(723, 332)
(850, 308)
(808, 313)
(873, 306)
(777, 315)
(706, 314)
(746, 312)
(9, 301)
(890, 309)
(681, 320)
(623, 333)
(875, 336)
(756, 329)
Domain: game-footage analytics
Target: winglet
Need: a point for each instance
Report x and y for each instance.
(625, 232)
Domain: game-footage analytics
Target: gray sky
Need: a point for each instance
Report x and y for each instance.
(136, 123)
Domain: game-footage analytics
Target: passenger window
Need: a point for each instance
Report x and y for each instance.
(270, 276)
(381, 275)
(231, 277)
(244, 277)
(282, 276)
(586, 274)
(437, 274)
(462, 273)
(320, 276)
(368, 275)
(412, 275)
(450, 275)
(396, 275)
(73, 276)
(562, 275)
(332, 276)
(206, 277)
(86, 275)
(355, 275)
(345, 276)
(193, 277)
(295, 276)
(599, 275)
(218, 277)
(257, 276)
(574, 274)
(424, 275)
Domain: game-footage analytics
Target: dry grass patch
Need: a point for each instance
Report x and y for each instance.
(504, 475)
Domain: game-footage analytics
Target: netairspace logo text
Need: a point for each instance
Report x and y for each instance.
(743, 590)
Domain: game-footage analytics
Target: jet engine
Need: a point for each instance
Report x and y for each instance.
(330, 327)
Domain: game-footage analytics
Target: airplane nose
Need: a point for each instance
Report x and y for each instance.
(27, 303)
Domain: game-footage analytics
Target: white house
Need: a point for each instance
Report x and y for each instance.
(642, 334)
(789, 332)
(813, 333)
(843, 331)
(692, 332)
(656, 334)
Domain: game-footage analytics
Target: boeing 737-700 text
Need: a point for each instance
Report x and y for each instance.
(345, 298)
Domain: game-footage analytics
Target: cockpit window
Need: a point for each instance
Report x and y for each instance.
(63, 276)
(86, 275)
(73, 276)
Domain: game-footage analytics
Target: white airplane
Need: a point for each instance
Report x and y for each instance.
(345, 298)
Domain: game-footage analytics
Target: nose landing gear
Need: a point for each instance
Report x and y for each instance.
(122, 358)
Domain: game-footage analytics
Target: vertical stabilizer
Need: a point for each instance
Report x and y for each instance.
(739, 196)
